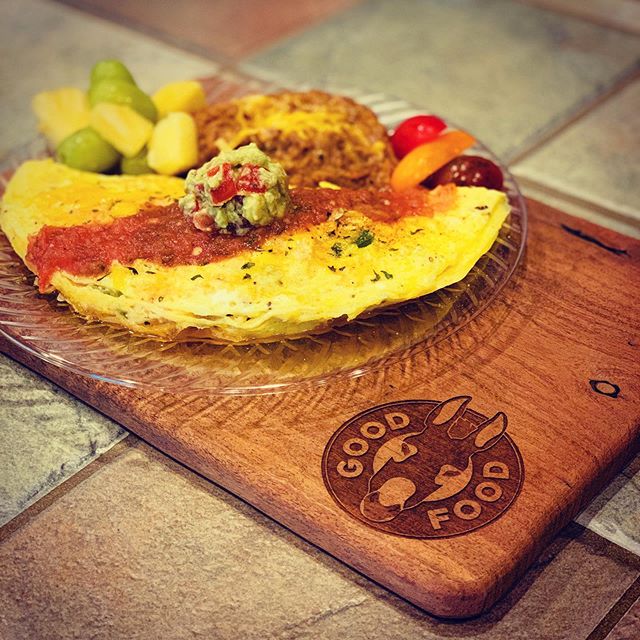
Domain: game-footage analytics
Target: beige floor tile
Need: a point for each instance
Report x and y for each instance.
(621, 14)
(615, 512)
(45, 437)
(508, 72)
(597, 159)
(145, 549)
(229, 27)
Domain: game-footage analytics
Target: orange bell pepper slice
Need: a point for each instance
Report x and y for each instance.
(429, 157)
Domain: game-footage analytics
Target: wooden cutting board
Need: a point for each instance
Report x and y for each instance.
(445, 503)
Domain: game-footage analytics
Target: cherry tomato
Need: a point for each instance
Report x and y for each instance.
(428, 158)
(467, 171)
(414, 132)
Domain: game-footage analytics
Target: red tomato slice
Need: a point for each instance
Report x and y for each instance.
(415, 131)
(249, 179)
(227, 188)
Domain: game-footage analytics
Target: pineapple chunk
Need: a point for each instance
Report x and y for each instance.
(173, 147)
(121, 127)
(179, 96)
(61, 112)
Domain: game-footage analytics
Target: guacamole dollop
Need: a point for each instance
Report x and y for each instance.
(235, 191)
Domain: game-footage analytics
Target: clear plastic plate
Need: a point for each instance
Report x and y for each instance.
(50, 330)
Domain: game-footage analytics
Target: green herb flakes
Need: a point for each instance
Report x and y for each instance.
(196, 277)
(364, 239)
(248, 265)
(376, 277)
(386, 274)
(107, 291)
(337, 249)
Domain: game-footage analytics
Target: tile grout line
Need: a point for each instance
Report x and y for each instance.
(621, 83)
(27, 515)
(617, 612)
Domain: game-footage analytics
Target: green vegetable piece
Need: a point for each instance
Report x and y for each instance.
(137, 165)
(88, 151)
(364, 239)
(122, 92)
(107, 290)
(110, 70)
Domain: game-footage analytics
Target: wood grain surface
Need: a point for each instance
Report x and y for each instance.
(557, 353)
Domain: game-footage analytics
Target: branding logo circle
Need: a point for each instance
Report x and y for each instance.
(423, 468)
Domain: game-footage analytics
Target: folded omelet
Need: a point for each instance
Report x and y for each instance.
(305, 280)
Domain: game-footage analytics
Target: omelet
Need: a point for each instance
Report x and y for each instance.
(302, 279)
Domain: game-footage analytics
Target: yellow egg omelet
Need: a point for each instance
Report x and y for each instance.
(294, 283)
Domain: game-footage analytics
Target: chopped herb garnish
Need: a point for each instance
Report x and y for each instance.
(196, 277)
(160, 298)
(331, 268)
(376, 277)
(134, 271)
(364, 239)
(413, 233)
(337, 249)
(107, 291)
(248, 265)
(153, 273)
(386, 274)
(247, 276)
(482, 207)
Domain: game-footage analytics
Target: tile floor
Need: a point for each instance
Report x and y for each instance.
(151, 531)
(551, 85)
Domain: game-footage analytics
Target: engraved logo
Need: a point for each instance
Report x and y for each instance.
(424, 469)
